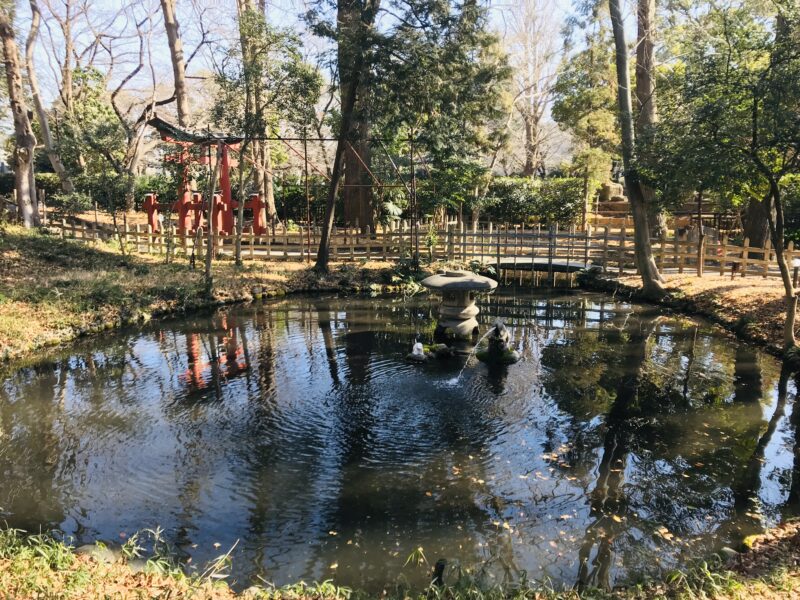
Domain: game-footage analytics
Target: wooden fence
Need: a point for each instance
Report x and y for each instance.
(507, 248)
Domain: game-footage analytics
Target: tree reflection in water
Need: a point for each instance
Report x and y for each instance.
(623, 438)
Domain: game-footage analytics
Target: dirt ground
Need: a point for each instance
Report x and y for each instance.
(751, 306)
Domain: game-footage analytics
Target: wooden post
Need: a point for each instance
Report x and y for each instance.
(745, 256)
(63, 228)
(252, 239)
(497, 269)
(534, 237)
(662, 250)
(586, 234)
(43, 202)
(368, 242)
(605, 249)
(451, 246)
(723, 254)
(701, 258)
(767, 257)
(621, 254)
(679, 250)
(149, 244)
(551, 248)
(462, 240)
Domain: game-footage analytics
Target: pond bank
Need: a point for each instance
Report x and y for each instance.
(752, 308)
(44, 567)
(53, 291)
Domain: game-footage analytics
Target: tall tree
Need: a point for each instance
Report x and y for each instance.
(585, 105)
(647, 112)
(263, 84)
(738, 86)
(357, 37)
(36, 96)
(252, 19)
(177, 59)
(646, 264)
(357, 193)
(24, 138)
(534, 55)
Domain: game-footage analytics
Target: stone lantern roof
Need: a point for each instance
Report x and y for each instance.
(459, 281)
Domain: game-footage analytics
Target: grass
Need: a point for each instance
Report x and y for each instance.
(53, 290)
(42, 566)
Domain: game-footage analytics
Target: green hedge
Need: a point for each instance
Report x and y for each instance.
(44, 181)
(517, 199)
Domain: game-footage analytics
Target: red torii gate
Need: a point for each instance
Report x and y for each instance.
(189, 205)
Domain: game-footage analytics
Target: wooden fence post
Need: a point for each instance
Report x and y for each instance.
(745, 256)
(767, 257)
(605, 249)
(662, 250)
(701, 251)
(451, 251)
(723, 254)
(621, 254)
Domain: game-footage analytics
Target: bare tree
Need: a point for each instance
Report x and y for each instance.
(24, 138)
(36, 96)
(535, 52)
(178, 63)
(261, 152)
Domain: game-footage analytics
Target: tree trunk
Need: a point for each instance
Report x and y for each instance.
(646, 98)
(212, 184)
(41, 114)
(24, 138)
(776, 229)
(336, 177)
(178, 62)
(267, 183)
(531, 161)
(354, 35)
(756, 222)
(651, 279)
(356, 195)
(262, 156)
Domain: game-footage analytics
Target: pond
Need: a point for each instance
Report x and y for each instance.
(625, 441)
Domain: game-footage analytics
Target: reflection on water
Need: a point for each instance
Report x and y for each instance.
(625, 441)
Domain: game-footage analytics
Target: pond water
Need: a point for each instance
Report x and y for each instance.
(625, 441)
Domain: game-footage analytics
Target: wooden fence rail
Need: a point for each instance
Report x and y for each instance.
(506, 247)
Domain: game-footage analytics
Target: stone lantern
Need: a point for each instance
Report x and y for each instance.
(458, 310)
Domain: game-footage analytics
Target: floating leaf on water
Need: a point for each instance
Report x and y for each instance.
(333, 532)
(428, 494)
(506, 525)
(217, 544)
(617, 518)
(335, 565)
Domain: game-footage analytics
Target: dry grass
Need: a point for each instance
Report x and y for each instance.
(753, 307)
(52, 290)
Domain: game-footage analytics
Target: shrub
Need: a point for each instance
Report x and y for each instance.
(558, 199)
(48, 182)
(72, 203)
